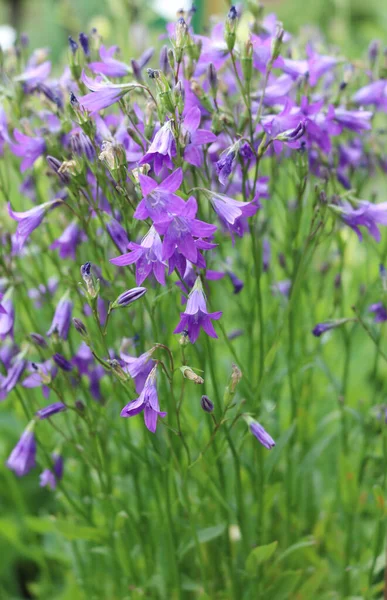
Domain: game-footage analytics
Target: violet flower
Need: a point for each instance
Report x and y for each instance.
(147, 402)
(67, 243)
(162, 149)
(138, 367)
(230, 211)
(363, 214)
(179, 232)
(108, 65)
(62, 318)
(196, 315)
(224, 166)
(129, 297)
(22, 457)
(195, 137)
(41, 376)
(28, 148)
(12, 377)
(159, 199)
(103, 93)
(147, 257)
(50, 477)
(117, 234)
(379, 311)
(29, 220)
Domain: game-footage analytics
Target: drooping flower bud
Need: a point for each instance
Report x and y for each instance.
(117, 369)
(188, 373)
(80, 327)
(259, 432)
(129, 297)
(277, 42)
(50, 410)
(321, 328)
(206, 404)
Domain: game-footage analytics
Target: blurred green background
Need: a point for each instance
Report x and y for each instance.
(349, 24)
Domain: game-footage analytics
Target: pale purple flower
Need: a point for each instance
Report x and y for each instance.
(138, 367)
(67, 243)
(29, 220)
(62, 318)
(50, 477)
(224, 166)
(147, 256)
(103, 93)
(363, 214)
(22, 457)
(355, 120)
(7, 318)
(28, 148)
(35, 73)
(159, 199)
(41, 376)
(147, 402)
(230, 211)
(195, 137)
(261, 434)
(9, 381)
(108, 65)
(196, 315)
(162, 149)
(374, 93)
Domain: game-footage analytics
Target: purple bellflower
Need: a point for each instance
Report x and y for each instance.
(103, 93)
(22, 457)
(147, 402)
(67, 243)
(196, 315)
(379, 311)
(139, 368)
(147, 257)
(41, 376)
(159, 199)
(50, 477)
(261, 434)
(108, 65)
(29, 220)
(50, 410)
(7, 317)
(179, 232)
(28, 148)
(62, 318)
(363, 214)
(162, 149)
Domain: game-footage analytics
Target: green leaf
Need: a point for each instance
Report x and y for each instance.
(69, 530)
(204, 535)
(295, 548)
(259, 555)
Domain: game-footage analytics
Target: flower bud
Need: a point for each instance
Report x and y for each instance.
(163, 60)
(321, 328)
(84, 42)
(230, 28)
(118, 370)
(247, 61)
(88, 279)
(38, 339)
(62, 362)
(50, 410)
(129, 297)
(79, 405)
(236, 376)
(260, 433)
(213, 79)
(201, 95)
(55, 165)
(80, 327)
(72, 45)
(188, 373)
(277, 42)
(206, 404)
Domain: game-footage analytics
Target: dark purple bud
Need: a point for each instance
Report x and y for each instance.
(81, 144)
(38, 340)
(79, 405)
(55, 165)
(50, 410)
(74, 100)
(206, 404)
(84, 41)
(212, 78)
(164, 64)
(50, 94)
(327, 325)
(373, 51)
(379, 311)
(232, 14)
(73, 45)
(129, 297)
(292, 135)
(79, 326)
(86, 270)
(152, 73)
(62, 362)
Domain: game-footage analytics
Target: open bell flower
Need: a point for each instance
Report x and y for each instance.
(196, 315)
(29, 220)
(147, 402)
